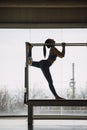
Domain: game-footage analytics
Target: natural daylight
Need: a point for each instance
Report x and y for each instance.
(69, 74)
(13, 58)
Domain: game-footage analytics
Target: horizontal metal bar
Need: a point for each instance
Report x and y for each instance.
(59, 44)
(54, 102)
(60, 117)
(47, 117)
(13, 116)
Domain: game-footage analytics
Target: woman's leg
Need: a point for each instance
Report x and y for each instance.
(48, 77)
(36, 64)
(46, 72)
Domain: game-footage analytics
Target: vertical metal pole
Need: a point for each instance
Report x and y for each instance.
(25, 93)
(27, 84)
(30, 107)
(73, 79)
(26, 77)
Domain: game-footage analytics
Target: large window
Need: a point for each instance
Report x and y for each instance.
(12, 63)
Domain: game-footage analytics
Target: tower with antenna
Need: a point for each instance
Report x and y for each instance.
(72, 81)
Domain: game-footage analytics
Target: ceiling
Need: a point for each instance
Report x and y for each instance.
(43, 13)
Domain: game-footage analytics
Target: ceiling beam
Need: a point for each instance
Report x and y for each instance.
(44, 3)
(43, 25)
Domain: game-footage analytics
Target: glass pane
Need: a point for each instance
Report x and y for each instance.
(12, 63)
(62, 69)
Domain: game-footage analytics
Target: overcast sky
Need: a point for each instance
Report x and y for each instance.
(12, 58)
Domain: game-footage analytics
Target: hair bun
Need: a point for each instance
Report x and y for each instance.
(50, 41)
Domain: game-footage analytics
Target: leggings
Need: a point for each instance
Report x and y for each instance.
(44, 65)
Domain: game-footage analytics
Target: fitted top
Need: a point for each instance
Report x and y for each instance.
(52, 58)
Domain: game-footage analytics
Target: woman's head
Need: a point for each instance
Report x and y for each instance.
(49, 43)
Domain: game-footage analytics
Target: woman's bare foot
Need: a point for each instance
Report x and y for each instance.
(59, 98)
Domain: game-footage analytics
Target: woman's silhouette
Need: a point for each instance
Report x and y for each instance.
(45, 64)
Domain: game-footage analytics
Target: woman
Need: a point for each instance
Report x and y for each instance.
(45, 64)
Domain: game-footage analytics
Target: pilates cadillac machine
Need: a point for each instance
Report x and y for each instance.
(52, 102)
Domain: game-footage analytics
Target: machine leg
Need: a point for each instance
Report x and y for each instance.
(30, 115)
